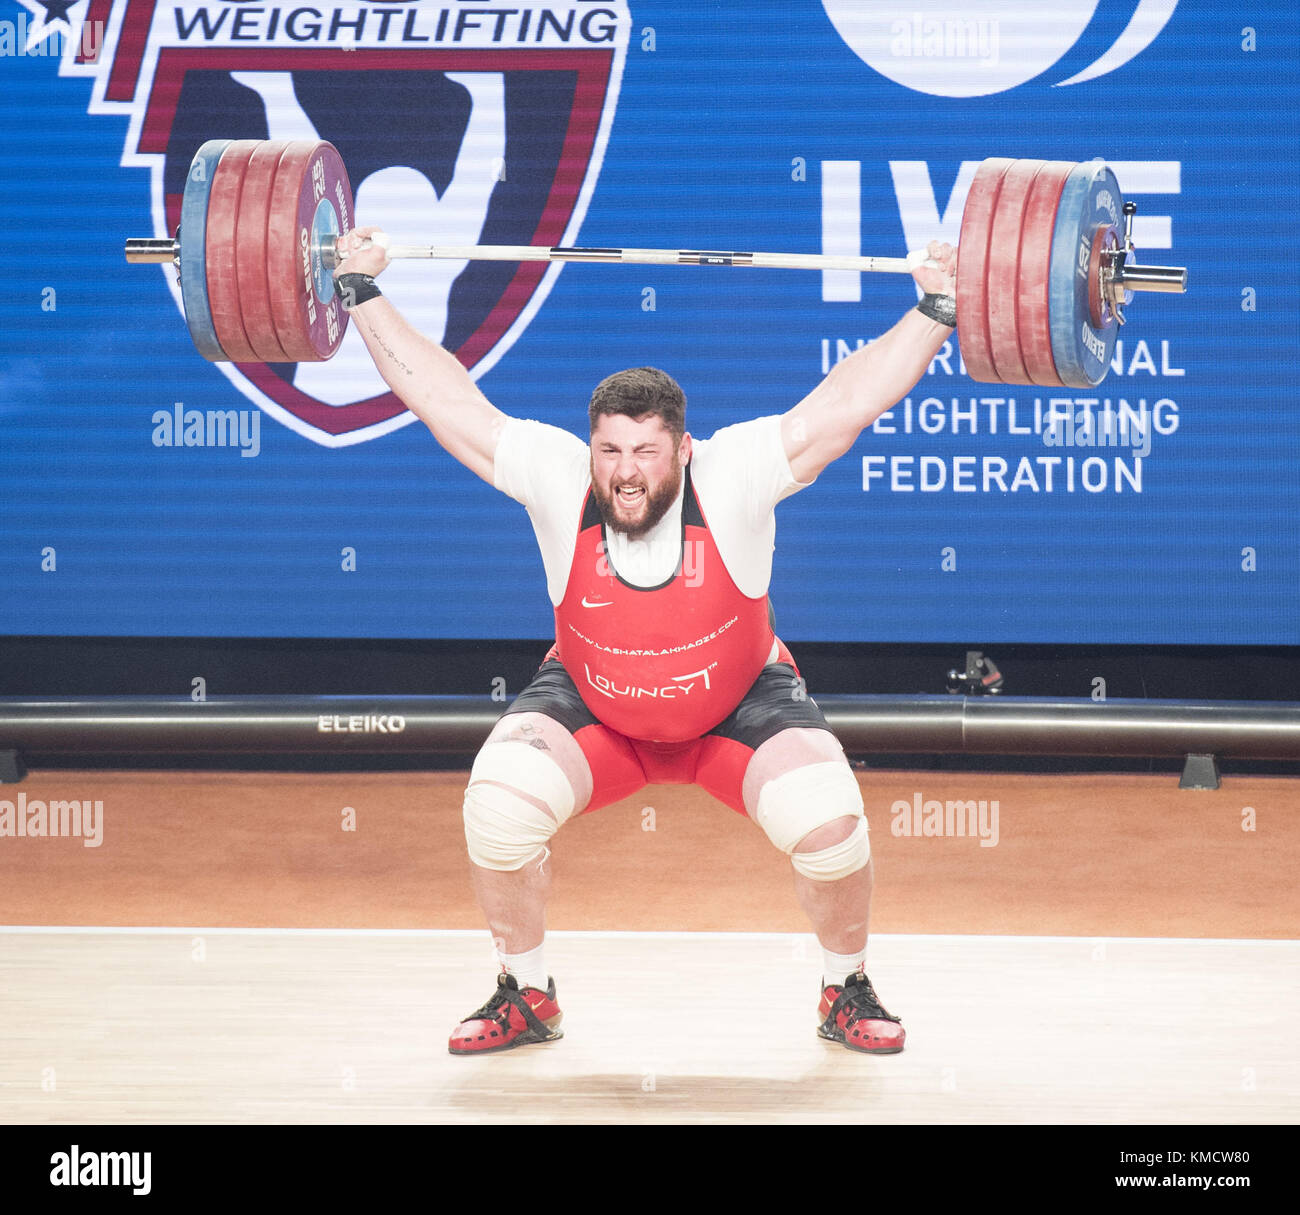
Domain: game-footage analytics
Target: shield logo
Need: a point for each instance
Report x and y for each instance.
(472, 141)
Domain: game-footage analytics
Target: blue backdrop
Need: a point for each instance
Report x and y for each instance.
(782, 126)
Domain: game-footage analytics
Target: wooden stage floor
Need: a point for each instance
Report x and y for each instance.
(1123, 952)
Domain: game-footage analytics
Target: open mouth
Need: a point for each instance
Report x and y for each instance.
(630, 495)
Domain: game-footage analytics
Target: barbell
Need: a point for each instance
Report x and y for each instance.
(1043, 269)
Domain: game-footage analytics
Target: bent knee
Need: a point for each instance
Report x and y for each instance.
(832, 862)
(815, 815)
(829, 834)
(516, 800)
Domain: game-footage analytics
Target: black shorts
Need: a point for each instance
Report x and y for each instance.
(776, 701)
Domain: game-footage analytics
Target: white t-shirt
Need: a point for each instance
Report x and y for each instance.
(739, 474)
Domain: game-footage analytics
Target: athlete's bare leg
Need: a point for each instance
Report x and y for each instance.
(840, 910)
(514, 902)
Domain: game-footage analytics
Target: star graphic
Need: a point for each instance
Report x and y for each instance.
(48, 17)
(57, 10)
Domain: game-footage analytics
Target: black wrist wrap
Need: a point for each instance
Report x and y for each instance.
(941, 308)
(354, 289)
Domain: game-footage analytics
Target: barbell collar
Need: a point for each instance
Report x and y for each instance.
(1168, 279)
(151, 250)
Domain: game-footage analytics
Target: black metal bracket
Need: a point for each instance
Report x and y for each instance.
(1200, 772)
(12, 768)
(981, 677)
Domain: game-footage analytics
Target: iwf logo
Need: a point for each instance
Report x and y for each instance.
(459, 125)
(950, 49)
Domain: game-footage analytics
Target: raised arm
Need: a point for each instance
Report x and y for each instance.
(428, 380)
(827, 422)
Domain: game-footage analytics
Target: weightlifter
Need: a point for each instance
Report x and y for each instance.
(658, 553)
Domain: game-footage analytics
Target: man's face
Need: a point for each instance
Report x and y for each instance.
(636, 471)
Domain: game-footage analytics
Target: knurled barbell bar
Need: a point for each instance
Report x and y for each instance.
(1043, 270)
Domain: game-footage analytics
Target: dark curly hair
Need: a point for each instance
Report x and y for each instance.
(641, 392)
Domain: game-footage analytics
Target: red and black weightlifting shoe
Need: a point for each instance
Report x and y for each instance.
(853, 1014)
(513, 1017)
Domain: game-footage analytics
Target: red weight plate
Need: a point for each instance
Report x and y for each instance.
(311, 205)
(251, 251)
(222, 270)
(1004, 270)
(1036, 271)
(972, 270)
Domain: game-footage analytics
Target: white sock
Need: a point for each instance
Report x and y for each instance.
(529, 968)
(836, 967)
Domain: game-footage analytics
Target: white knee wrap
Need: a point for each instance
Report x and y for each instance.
(503, 830)
(839, 860)
(809, 797)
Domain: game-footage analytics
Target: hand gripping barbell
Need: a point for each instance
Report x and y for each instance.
(1043, 273)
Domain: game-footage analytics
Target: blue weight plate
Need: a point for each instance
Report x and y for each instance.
(1091, 199)
(194, 271)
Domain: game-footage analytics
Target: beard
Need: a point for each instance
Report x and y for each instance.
(643, 515)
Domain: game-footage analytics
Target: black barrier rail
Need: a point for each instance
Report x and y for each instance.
(450, 725)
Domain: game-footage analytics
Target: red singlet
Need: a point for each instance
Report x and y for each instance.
(666, 663)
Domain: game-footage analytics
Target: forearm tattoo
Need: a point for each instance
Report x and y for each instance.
(388, 350)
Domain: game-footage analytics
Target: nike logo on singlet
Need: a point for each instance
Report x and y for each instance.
(605, 603)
